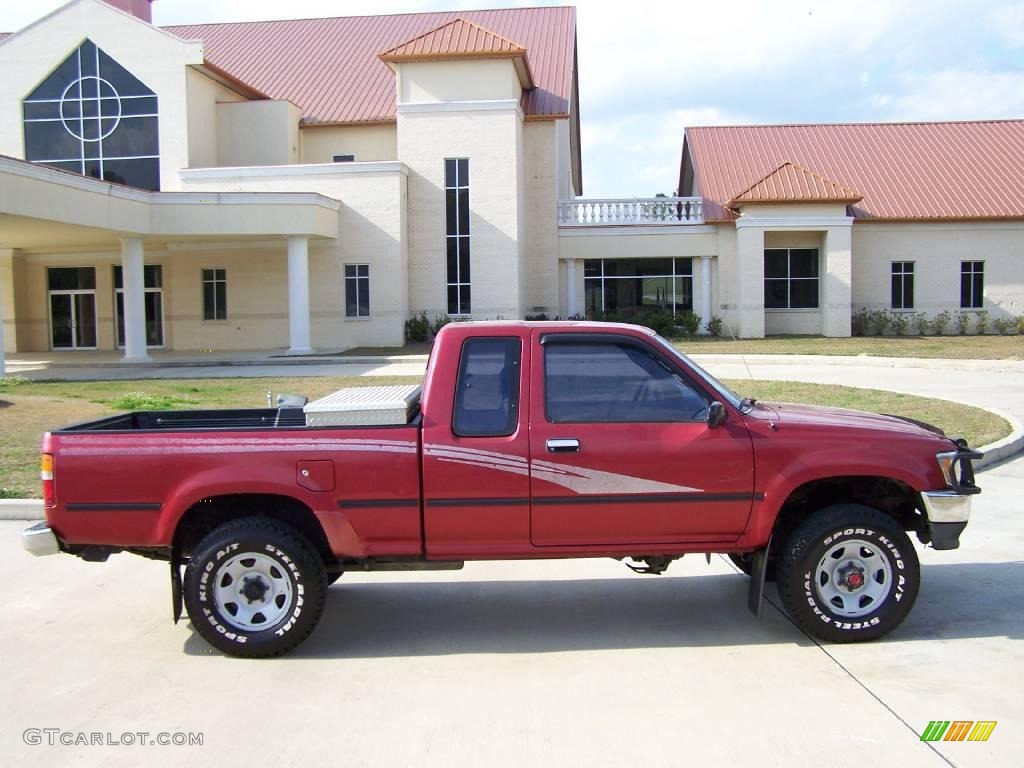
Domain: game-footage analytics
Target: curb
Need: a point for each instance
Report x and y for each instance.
(1012, 444)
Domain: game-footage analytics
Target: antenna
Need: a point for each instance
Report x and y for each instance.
(742, 356)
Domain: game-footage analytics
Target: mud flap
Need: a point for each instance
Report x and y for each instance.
(176, 588)
(758, 571)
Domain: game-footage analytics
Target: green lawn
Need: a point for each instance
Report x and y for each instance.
(948, 347)
(27, 409)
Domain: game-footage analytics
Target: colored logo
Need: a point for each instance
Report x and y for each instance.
(958, 730)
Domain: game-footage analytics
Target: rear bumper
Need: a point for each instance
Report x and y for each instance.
(40, 540)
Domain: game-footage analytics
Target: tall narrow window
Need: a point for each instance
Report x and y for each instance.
(215, 294)
(456, 205)
(972, 284)
(357, 290)
(903, 285)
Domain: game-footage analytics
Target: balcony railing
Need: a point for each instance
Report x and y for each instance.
(636, 211)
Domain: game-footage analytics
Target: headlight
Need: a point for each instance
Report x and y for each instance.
(947, 463)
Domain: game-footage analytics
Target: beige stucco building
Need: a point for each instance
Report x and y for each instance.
(311, 185)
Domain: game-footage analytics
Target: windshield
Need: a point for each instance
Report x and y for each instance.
(727, 394)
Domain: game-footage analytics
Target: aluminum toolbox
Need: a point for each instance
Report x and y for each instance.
(364, 406)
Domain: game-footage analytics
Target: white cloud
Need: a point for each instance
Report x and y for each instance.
(1008, 23)
(954, 94)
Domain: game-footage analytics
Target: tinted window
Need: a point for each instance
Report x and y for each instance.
(607, 382)
(487, 393)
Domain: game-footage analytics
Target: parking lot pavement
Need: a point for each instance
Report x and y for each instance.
(564, 662)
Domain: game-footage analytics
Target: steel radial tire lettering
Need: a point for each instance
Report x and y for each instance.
(861, 560)
(287, 576)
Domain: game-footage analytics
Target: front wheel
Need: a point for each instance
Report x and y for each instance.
(848, 573)
(254, 588)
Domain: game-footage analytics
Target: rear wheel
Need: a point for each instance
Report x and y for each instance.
(848, 573)
(254, 588)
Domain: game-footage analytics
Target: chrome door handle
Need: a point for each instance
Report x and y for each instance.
(563, 445)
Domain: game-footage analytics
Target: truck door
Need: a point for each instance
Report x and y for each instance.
(476, 494)
(621, 451)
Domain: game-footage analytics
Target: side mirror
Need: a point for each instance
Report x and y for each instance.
(716, 414)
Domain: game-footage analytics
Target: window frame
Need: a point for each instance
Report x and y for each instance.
(356, 278)
(789, 280)
(460, 282)
(550, 339)
(976, 274)
(901, 277)
(514, 394)
(675, 274)
(202, 282)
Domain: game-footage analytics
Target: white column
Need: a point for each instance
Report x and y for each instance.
(6, 289)
(706, 310)
(750, 281)
(133, 281)
(837, 281)
(3, 353)
(298, 296)
(570, 287)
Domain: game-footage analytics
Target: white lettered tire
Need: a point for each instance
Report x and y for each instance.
(254, 588)
(848, 573)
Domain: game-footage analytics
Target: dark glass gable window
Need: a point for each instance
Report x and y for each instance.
(357, 290)
(215, 294)
(456, 206)
(91, 116)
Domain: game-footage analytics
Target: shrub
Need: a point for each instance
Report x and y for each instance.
(417, 328)
(982, 322)
(440, 321)
(941, 322)
(690, 323)
(963, 322)
(538, 316)
(575, 316)
(714, 326)
(10, 493)
(859, 322)
(145, 401)
(1005, 326)
(899, 321)
(921, 323)
(660, 322)
(876, 322)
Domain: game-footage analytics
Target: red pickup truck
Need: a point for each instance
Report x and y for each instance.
(529, 440)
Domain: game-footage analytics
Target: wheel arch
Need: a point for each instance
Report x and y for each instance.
(211, 512)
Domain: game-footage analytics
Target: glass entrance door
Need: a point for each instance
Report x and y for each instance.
(154, 302)
(72, 307)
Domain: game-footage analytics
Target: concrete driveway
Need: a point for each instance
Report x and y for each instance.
(533, 663)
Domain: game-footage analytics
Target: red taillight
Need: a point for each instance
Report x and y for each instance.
(46, 475)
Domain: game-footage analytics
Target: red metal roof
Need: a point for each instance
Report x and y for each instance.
(330, 67)
(792, 183)
(951, 170)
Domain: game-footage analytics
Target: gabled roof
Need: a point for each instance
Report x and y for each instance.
(461, 39)
(792, 183)
(330, 67)
(905, 171)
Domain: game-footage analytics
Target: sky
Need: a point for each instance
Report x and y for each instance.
(648, 70)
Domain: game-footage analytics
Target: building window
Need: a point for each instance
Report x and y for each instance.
(972, 284)
(456, 206)
(903, 285)
(215, 294)
(92, 117)
(153, 299)
(344, 158)
(637, 286)
(791, 278)
(357, 290)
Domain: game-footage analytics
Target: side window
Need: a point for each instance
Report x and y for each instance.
(608, 382)
(487, 392)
